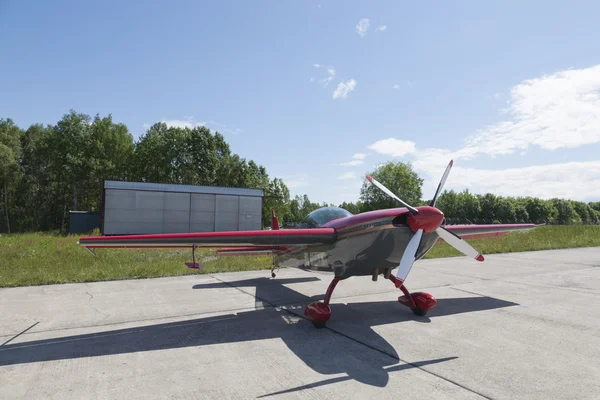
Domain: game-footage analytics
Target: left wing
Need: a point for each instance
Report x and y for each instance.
(477, 231)
(247, 240)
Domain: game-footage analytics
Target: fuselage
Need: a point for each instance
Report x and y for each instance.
(367, 243)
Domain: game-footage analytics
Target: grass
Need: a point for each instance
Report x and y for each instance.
(43, 258)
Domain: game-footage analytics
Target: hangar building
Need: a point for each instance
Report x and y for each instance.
(147, 208)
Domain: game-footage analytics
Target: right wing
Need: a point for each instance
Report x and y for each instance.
(477, 231)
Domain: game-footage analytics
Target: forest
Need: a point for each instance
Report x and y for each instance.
(47, 171)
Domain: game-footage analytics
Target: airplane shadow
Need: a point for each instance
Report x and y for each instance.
(326, 351)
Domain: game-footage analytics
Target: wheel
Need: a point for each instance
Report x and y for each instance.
(319, 324)
(273, 275)
(418, 311)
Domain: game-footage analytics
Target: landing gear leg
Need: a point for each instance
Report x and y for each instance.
(319, 313)
(419, 302)
(273, 268)
(194, 264)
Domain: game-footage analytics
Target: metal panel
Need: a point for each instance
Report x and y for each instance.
(250, 214)
(160, 187)
(149, 212)
(226, 213)
(176, 213)
(202, 213)
(138, 208)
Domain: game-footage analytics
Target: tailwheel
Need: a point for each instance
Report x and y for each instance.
(319, 324)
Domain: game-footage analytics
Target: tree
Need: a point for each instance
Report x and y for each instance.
(10, 154)
(566, 215)
(540, 211)
(398, 177)
(505, 210)
(489, 208)
(277, 198)
(351, 207)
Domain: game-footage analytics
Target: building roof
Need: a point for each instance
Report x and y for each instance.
(163, 187)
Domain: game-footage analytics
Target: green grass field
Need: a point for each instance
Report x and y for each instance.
(42, 258)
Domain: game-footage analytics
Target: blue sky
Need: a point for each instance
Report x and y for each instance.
(508, 89)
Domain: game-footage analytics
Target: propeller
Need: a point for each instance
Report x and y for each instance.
(413, 210)
(423, 220)
(409, 256)
(442, 182)
(458, 243)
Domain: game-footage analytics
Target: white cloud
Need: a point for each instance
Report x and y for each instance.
(357, 159)
(330, 76)
(393, 147)
(560, 110)
(362, 27)
(352, 163)
(555, 111)
(347, 175)
(343, 88)
(381, 28)
(572, 180)
(396, 86)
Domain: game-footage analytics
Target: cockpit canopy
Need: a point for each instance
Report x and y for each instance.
(322, 216)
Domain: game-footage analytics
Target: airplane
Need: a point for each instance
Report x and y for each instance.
(333, 240)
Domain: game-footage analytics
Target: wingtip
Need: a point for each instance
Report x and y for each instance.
(451, 162)
(369, 178)
(479, 258)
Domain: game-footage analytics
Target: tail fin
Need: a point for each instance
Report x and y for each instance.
(274, 221)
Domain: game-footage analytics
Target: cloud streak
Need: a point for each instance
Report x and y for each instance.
(393, 147)
(362, 27)
(554, 111)
(343, 88)
(357, 159)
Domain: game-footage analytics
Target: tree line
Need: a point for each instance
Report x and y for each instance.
(47, 171)
(468, 208)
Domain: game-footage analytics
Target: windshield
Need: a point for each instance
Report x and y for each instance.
(322, 216)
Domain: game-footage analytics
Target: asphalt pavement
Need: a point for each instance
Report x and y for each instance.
(518, 326)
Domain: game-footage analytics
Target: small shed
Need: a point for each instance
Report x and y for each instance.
(83, 221)
(148, 208)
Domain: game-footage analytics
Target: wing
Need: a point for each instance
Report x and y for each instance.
(476, 231)
(251, 250)
(273, 239)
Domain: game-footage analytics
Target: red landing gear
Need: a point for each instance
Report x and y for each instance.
(418, 302)
(319, 313)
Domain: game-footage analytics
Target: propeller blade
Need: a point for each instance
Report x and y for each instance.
(413, 210)
(408, 258)
(458, 243)
(442, 182)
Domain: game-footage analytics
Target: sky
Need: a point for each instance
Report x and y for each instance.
(322, 92)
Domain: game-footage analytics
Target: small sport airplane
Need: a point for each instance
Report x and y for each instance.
(331, 239)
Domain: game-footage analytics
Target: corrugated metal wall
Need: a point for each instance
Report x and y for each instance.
(130, 211)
